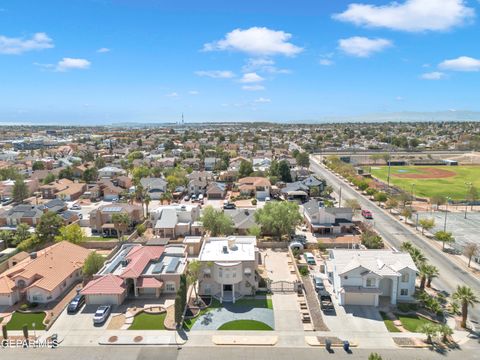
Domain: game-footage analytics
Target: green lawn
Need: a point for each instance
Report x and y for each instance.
(245, 325)
(144, 321)
(412, 322)
(265, 303)
(453, 187)
(389, 323)
(19, 319)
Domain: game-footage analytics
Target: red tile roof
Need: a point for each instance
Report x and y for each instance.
(105, 285)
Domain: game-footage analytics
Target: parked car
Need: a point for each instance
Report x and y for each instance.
(76, 207)
(367, 214)
(229, 206)
(102, 313)
(186, 198)
(267, 199)
(200, 197)
(193, 198)
(318, 283)
(304, 228)
(76, 304)
(6, 201)
(309, 258)
(299, 238)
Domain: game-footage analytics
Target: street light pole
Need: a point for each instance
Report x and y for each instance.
(446, 212)
(340, 198)
(469, 185)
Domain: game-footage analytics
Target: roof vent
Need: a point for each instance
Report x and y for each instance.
(225, 250)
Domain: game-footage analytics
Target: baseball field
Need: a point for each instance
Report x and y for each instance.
(431, 180)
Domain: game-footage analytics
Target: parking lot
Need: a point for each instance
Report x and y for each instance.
(463, 230)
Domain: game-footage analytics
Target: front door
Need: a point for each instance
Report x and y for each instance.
(227, 287)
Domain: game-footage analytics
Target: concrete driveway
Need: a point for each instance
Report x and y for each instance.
(82, 320)
(356, 318)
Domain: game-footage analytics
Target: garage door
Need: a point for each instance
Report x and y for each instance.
(103, 299)
(360, 299)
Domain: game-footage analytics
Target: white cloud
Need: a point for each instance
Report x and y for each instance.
(172, 95)
(194, 92)
(262, 100)
(362, 46)
(326, 62)
(462, 63)
(72, 64)
(258, 41)
(251, 78)
(103, 50)
(263, 65)
(434, 75)
(15, 46)
(411, 15)
(253, 87)
(216, 74)
(399, 98)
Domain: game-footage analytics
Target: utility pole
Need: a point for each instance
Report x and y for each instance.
(446, 212)
(340, 198)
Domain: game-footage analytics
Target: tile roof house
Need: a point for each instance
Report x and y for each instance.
(137, 271)
(257, 186)
(326, 220)
(43, 276)
(243, 219)
(216, 190)
(176, 220)
(64, 189)
(363, 277)
(101, 218)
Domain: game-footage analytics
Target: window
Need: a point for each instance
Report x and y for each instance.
(21, 284)
(404, 292)
(370, 282)
(405, 277)
(170, 287)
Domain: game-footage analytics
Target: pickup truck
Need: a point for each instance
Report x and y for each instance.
(326, 303)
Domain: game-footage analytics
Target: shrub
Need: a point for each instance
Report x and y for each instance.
(303, 271)
(254, 202)
(23, 307)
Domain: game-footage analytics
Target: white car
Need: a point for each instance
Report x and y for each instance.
(102, 313)
(76, 207)
(200, 197)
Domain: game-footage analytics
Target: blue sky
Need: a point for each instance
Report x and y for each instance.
(103, 61)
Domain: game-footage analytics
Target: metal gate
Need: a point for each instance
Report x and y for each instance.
(282, 286)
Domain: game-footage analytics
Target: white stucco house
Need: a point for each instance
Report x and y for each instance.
(362, 277)
(228, 267)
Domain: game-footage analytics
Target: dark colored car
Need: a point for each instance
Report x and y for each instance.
(229, 206)
(76, 304)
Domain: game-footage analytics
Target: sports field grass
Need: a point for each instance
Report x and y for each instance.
(453, 186)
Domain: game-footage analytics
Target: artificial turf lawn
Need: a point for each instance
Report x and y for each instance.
(19, 319)
(389, 323)
(144, 321)
(412, 322)
(453, 187)
(245, 325)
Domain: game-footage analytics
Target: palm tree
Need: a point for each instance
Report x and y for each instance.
(406, 246)
(417, 256)
(466, 297)
(446, 331)
(147, 200)
(431, 274)
(121, 221)
(422, 271)
(429, 330)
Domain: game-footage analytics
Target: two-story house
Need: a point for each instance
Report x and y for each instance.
(369, 277)
(324, 220)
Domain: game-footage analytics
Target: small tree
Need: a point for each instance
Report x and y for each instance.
(470, 250)
(93, 263)
(284, 171)
(20, 190)
(381, 197)
(22, 233)
(278, 218)
(353, 203)
(255, 231)
(391, 203)
(4, 332)
(72, 233)
(438, 200)
(216, 222)
(25, 331)
(48, 227)
(444, 237)
(406, 213)
(374, 356)
(426, 224)
(246, 169)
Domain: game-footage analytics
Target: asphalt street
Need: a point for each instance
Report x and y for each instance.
(222, 353)
(395, 233)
